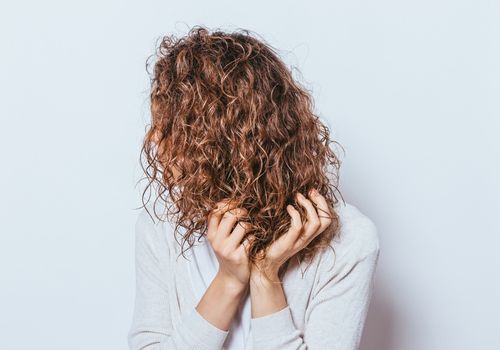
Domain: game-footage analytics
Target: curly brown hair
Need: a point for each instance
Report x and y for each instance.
(227, 114)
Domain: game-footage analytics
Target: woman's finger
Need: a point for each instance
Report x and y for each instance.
(295, 230)
(227, 222)
(234, 239)
(245, 245)
(312, 223)
(215, 217)
(324, 213)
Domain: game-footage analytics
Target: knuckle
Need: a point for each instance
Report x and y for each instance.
(218, 206)
(316, 224)
(246, 225)
(239, 212)
(235, 212)
(222, 203)
(242, 227)
(227, 215)
(242, 210)
(221, 207)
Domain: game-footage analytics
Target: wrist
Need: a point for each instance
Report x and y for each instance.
(267, 295)
(264, 279)
(230, 284)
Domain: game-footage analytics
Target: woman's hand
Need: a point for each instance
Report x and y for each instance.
(232, 255)
(298, 236)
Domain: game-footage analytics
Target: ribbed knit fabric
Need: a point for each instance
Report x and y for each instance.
(327, 300)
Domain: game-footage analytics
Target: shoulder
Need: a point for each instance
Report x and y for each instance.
(355, 250)
(358, 233)
(150, 231)
(356, 240)
(147, 223)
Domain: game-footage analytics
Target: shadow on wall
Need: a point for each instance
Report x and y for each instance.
(380, 327)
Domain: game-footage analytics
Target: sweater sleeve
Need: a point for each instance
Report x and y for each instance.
(151, 327)
(337, 312)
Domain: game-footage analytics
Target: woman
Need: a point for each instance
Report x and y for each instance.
(239, 163)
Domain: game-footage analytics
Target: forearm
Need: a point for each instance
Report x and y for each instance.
(272, 324)
(267, 295)
(220, 302)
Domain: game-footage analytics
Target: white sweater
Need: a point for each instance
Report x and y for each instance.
(327, 303)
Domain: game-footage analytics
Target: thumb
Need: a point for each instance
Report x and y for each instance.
(247, 242)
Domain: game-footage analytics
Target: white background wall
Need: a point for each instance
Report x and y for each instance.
(410, 89)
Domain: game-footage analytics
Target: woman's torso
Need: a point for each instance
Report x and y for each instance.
(298, 281)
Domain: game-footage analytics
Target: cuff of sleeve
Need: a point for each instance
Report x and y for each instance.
(273, 325)
(202, 331)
